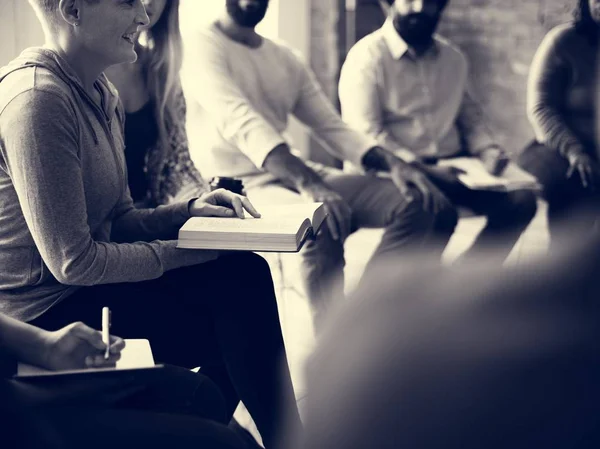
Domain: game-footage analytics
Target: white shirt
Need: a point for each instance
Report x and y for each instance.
(239, 100)
(411, 105)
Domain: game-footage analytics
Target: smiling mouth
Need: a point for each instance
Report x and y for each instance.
(130, 37)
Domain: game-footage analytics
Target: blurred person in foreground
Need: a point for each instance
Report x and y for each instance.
(170, 407)
(407, 87)
(241, 89)
(463, 357)
(562, 110)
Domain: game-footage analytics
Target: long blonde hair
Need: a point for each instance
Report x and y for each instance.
(162, 62)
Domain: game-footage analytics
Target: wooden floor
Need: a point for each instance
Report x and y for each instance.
(294, 309)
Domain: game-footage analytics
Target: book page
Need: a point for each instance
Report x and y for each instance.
(279, 219)
(477, 177)
(136, 354)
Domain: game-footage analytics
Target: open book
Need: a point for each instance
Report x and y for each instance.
(136, 355)
(281, 228)
(478, 178)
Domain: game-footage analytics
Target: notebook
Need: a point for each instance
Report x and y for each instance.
(478, 178)
(137, 355)
(281, 228)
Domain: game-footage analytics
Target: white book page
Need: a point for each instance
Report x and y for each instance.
(477, 176)
(136, 354)
(281, 219)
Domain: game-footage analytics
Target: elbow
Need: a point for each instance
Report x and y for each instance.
(73, 278)
(82, 271)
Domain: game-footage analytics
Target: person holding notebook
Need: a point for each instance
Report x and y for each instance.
(168, 407)
(406, 86)
(71, 240)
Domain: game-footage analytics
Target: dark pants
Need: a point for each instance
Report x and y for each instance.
(221, 315)
(508, 215)
(172, 407)
(568, 201)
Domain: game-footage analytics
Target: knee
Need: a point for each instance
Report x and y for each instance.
(426, 219)
(520, 208)
(249, 263)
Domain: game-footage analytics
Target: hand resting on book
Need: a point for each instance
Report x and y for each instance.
(222, 203)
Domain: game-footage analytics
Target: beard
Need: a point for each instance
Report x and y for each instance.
(416, 29)
(246, 18)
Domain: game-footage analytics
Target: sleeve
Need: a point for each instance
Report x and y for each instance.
(212, 87)
(41, 150)
(314, 109)
(472, 124)
(361, 105)
(547, 83)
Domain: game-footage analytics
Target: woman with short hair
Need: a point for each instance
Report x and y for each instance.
(71, 240)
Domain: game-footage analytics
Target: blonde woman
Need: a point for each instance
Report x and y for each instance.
(156, 147)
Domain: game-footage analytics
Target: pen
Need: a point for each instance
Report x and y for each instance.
(106, 331)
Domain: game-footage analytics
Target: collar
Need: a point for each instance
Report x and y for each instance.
(398, 47)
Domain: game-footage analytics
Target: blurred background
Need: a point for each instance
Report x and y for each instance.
(499, 37)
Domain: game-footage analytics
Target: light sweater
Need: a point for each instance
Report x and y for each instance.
(66, 215)
(239, 101)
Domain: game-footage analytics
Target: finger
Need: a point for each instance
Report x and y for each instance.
(236, 203)
(98, 361)
(117, 344)
(570, 171)
(428, 203)
(343, 220)
(331, 223)
(250, 207)
(583, 175)
(210, 210)
(91, 336)
(402, 186)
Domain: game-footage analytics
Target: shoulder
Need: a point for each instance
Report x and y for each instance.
(561, 37)
(450, 49)
(38, 91)
(368, 50)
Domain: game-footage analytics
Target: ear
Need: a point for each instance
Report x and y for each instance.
(70, 11)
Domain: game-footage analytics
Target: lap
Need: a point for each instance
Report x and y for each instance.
(373, 199)
(177, 311)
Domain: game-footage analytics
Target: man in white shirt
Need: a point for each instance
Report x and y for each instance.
(240, 89)
(407, 87)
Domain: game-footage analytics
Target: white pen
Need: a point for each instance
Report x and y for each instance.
(106, 331)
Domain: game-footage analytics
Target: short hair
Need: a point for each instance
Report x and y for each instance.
(45, 5)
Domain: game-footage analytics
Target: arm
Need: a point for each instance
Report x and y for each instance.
(73, 347)
(40, 147)
(473, 127)
(548, 80)
(217, 92)
(361, 105)
(315, 110)
(22, 341)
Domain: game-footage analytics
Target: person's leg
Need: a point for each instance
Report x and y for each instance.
(241, 301)
(322, 259)
(377, 203)
(508, 215)
(125, 428)
(223, 311)
(566, 197)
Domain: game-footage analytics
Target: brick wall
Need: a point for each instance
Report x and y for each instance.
(499, 37)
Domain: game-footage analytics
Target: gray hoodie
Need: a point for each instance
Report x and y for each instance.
(66, 216)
